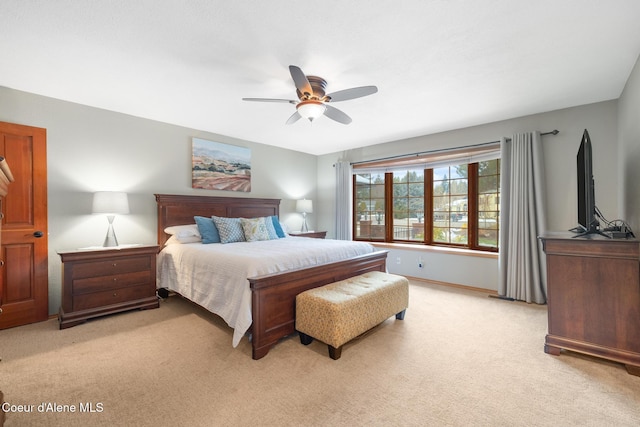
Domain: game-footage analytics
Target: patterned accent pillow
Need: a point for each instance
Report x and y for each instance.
(254, 229)
(230, 229)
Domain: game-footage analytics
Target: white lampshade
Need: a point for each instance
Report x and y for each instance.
(311, 109)
(304, 205)
(110, 202)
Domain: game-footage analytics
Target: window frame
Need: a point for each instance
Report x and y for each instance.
(473, 240)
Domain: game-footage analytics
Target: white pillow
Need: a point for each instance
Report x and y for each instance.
(183, 234)
(183, 230)
(179, 240)
(284, 229)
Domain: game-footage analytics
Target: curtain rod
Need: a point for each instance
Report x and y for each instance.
(444, 150)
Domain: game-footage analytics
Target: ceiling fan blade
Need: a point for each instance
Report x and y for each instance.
(337, 115)
(302, 84)
(289, 101)
(354, 92)
(294, 118)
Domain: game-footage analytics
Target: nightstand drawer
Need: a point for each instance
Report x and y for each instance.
(111, 266)
(104, 283)
(113, 296)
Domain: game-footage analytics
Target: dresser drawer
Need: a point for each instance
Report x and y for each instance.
(111, 266)
(112, 296)
(105, 283)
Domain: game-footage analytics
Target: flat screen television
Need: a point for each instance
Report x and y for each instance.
(587, 214)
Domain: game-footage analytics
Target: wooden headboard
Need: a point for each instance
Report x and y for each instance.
(179, 210)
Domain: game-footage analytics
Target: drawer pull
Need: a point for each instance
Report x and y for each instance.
(115, 294)
(114, 264)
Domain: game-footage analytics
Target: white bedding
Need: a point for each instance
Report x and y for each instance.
(215, 275)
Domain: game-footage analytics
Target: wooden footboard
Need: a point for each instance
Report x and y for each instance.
(274, 296)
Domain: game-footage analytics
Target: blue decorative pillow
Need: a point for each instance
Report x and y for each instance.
(230, 229)
(276, 225)
(207, 229)
(254, 229)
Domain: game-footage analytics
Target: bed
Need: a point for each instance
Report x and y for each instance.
(266, 305)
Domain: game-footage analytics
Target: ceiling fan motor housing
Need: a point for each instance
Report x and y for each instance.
(318, 85)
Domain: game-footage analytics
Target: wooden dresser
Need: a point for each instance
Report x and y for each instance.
(106, 281)
(593, 296)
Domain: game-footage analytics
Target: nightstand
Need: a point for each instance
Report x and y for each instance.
(314, 234)
(98, 282)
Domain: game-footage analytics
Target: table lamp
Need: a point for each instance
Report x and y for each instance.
(304, 206)
(110, 203)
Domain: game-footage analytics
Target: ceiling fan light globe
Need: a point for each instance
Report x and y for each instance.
(311, 109)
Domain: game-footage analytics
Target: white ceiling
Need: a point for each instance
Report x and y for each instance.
(438, 64)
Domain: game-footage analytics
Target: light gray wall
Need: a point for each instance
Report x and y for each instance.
(90, 149)
(560, 164)
(629, 169)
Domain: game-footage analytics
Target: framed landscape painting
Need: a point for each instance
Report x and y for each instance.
(218, 166)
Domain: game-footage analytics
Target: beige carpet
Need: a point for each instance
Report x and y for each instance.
(459, 358)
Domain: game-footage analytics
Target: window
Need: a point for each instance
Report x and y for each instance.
(457, 204)
(488, 203)
(408, 205)
(450, 204)
(370, 205)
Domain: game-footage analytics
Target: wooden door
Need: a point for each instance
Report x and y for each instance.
(24, 270)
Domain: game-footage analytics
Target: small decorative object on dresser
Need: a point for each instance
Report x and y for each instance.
(106, 281)
(314, 234)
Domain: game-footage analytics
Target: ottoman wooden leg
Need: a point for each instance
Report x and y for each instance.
(400, 316)
(305, 339)
(335, 353)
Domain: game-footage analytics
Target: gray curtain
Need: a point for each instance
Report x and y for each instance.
(343, 200)
(522, 219)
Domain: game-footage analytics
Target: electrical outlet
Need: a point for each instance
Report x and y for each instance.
(398, 261)
(420, 263)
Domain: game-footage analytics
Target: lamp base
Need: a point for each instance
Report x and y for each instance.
(110, 240)
(304, 228)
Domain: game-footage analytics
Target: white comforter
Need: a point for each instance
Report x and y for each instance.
(215, 275)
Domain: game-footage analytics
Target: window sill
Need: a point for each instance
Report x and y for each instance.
(436, 249)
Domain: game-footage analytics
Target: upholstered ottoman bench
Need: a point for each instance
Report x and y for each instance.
(338, 312)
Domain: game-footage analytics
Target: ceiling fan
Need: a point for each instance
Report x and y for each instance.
(313, 102)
